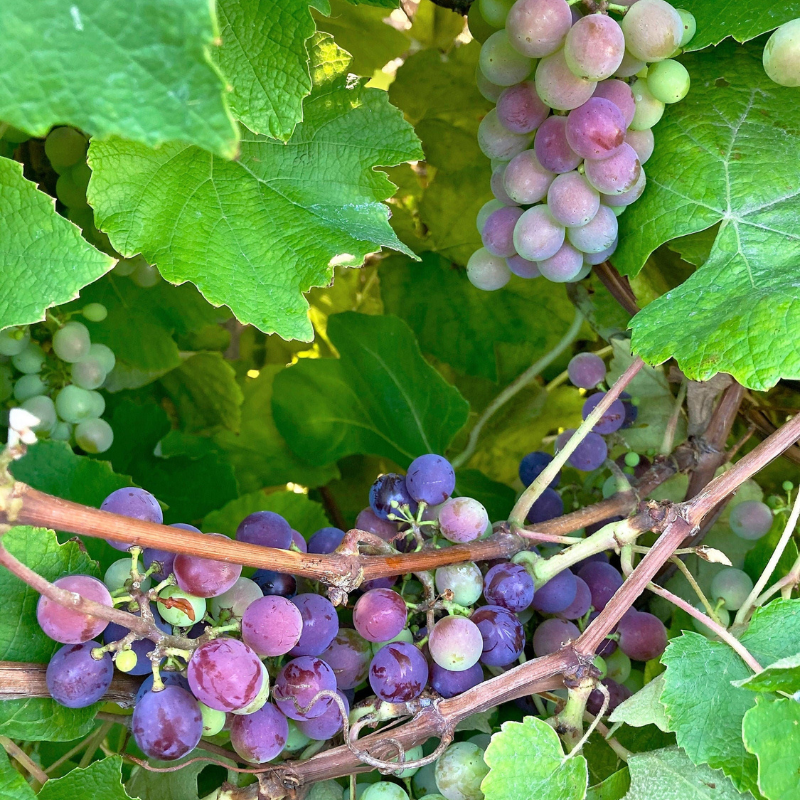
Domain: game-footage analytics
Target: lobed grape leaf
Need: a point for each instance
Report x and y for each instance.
(614, 787)
(782, 676)
(771, 732)
(733, 137)
(88, 63)
(543, 772)
(644, 707)
(12, 784)
(379, 397)
(101, 780)
(669, 774)
(263, 55)
(743, 21)
(257, 233)
(44, 260)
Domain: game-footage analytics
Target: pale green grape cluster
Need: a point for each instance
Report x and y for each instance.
(57, 379)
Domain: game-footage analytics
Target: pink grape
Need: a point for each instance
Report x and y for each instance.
(225, 674)
(626, 198)
(620, 94)
(643, 142)
(598, 258)
(379, 615)
(498, 232)
(496, 184)
(462, 519)
(563, 266)
(629, 66)
(496, 141)
(594, 47)
(520, 109)
(537, 28)
(552, 635)
(552, 148)
(455, 643)
(299, 682)
(558, 87)
(617, 174)
(66, 625)
(597, 235)
(272, 625)
(572, 200)
(596, 129)
(537, 235)
(205, 577)
(523, 268)
(525, 180)
(260, 736)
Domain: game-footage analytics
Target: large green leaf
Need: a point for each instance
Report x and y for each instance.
(263, 54)
(41, 719)
(257, 233)
(178, 785)
(44, 260)
(101, 780)
(12, 784)
(771, 731)
(526, 760)
(743, 21)
(733, 137)
(90, 63)
(379, 397)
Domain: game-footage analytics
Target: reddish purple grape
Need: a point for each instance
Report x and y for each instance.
(225, 674)
(448, 683)
(272, 625)
(642, 636)
(205, 577)
(626, 198)
(349, 656)
(398, 673)
(582, 602)
(617, 694)
(552, 148)
(75, 679)
(611, 420)
(68, 626)
(368, 521)
(379, 615)
(265, 528)
(299, 682)
(596, 129)
(620, 94)
(557, 594)
(586, 370)
(462, 519)
(537, 235)
(325, 540)
(135, 503)
(260, 736)
(565, 265)
(603, 581)
(320, 624)
(503, 635)
(552, 634)
(522, 268)
(328, 724)
(431, 479)
(167, 724)
(520, 109)
(548, 505)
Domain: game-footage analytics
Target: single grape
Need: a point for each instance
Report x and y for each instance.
(498, 232)
(398, 673)
(583, 273)
(495, 11)
(496, 141)
(127, 660)
(69, 192)
(548, 505)
(532, 465)
(462, 519)
(71, 342)
(75, 679)
(669, 81)
(689, 26)
(586, 370)
(66, 625)
(118, 573)
(538, 28)
(389, 494)
(537, 235)
(603, 581)
(94, 435)
(509, 586)
(620, 94)
(213, 720)
(165, 559)
(260, 736)
(460, 770)
(296, 740)
(552, 634)
(64, 147)
(501, 63)
(430, 479)
(448, 683)
(384, 790)
(167, 724)
(74, 404)
(621, 201)
(525, 180)
(751, 519)
(733, 586)
(299, 682)
(653, 30)
(597, 235)
(325, 540)
(558, 86)
(145, 275)
(571, 200)
(520, 109)
(617, 174)
(379, 615)
(557, 594)
(103, 355)
(44, 410)
(642, 636)
(722, 614)
(168, 678)
(590, 453)
(552, 148)
(349, 656)
(617, 694)
(486, 210)
(522, 268)
(618, 666)
(265, 528)
(491, 91)
(94, 312)
(231, 605)
(591, 259)
(455, 643)
(564, 266)
(275, 583)
(320, 624)
(594, 47)
(496, 185)
(141, 647)
(503, 635)
(14, 340)
(30, 360)
(205, 577)
(180, 608)
(463, 580)
(328, 724)
(611, 420)
(88, 373)
(635, 681)
(424, 782)
(225, 674)
(649, 109)
(596, 129)
(643, 142)
(581, 604)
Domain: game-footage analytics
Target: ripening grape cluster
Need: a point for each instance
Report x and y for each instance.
(54, 371)
(576, 100)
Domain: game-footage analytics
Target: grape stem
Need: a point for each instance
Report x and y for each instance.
(593, 724)
(672, 423)
(696, 586)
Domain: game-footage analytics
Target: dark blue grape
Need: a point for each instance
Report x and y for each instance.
(631, 411)
(75, 679)
(388, 489)
(430, 479)
(503, 635)
(589, 454)
(612, 420)
(557, 594)
(167, 724)
(448, 683)
(532, 465)
(509, 586)
(325, 540)
(549, 505)
(265, 528)
(271, 582)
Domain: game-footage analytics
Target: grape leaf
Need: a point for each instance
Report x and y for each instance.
(44, 260)
(380, 397)
(41, 719)
(771, 731)
(21, 638)
(178, 785)
(703, 707)
(733, 137)
(543, 772)
(696, 247)
(743, 21)
(644, 707)
(101, 780)
(304, 515)
(263, 54)
(669, 774)
(258, 453)
(497, 498)
(257, 233)
(88, 64)
(12, 784)
(782, 676)
(613, 787)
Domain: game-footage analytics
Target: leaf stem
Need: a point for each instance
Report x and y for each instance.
(696, 586)
(19, 755)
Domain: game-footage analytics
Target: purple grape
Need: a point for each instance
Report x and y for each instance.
(265, 528)
(586, 370)
(167, 724)
(620, 94)
(320, 624)
(498, 189)
(566, 265)
(498, 232)
(275, 583)
(260, 736)
(348, 655)
(114, 632)
(72, 627)
(299, 542)
(380, 583)
(299, 682)
(398, 673)
(532, 465)
(751, 520)
(590, 454)
(537, 235)
(503, 635)
(379, 615)
(225, 674)
(631, 411)
(462, 519)
(75, 679)
(368, 521)
(552, 634)
(272, 625)
(205, 577)
(603, 581)
(597, 129)
(557, 594)
(509, 586)
(611, 420)
(617, 694)
(548, 505)
(388, 493)
(168, 678)
(135, 503)
(522, 268)
(448, 683)
(571, 200)
(525, 180)
(593, 259)
(455, 643)
(430, 479)
(552, 148)
(520, 109)
(642, 636)
(617, 174)
(325, 540)
(581, 604)
(327, 725)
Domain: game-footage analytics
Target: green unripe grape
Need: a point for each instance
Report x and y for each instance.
(634, 681)
(6, 382)
(98, 405)
(434, 797)
(414, 754)
(787, 486)
(649, 109)
(126, 660)
(479, 28)
(405, 635)
(464, 580)
(126, 266)
(12, 134)
(732, 586)
(64, 147)
(176, 616)
(80, 174)
(619, 666)
(259, 699)
(600, 663)
(296, 740)
(669, 81)
(29, 386)
(213, 720)
(495, 11)
(69, 193)
(632, 459)
(13, 340)
(72, 342)
(42, 407)
(782, 55)
(95, 312)
(145, 275)
(75, 404)
(118, 573)
(460, 770)
(385, 791)
(360, 787)
(62, 432)
(689, 25)
(94, 435)
(30, 360)
(724, 620)
(501, 63)
(103, 354)
(82, 217)
(88, 373)
(618, 210)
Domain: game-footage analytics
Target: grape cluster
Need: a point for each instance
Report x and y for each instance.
(585, 92)
(54, 371)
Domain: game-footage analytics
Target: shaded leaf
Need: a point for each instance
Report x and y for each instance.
(40, 719)
(644, 707)
(101, 780)
(614, 787)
